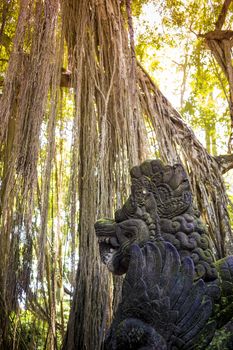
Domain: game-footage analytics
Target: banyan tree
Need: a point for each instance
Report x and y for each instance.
(80, 53)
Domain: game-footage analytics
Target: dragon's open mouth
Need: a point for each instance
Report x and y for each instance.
(115, 240)
(113, 254)
(108, 247)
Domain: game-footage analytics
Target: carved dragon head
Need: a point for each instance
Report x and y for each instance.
(157, 191)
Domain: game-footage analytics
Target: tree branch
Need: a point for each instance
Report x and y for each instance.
(217, 34)
(66, 79)
(225, 162)
(222, 15)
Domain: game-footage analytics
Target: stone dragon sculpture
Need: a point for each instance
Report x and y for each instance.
(175, 295)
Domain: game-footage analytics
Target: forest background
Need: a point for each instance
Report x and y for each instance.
(88, 89)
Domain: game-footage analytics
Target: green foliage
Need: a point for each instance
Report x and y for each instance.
(223, 339)
(30, 332)
(169, 46)
(137, 7)
(8, 20)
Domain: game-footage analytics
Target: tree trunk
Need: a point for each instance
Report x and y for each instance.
(102, 59)
(22, 109)
(108, 132)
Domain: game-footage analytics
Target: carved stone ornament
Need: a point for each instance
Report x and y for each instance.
(174, 296)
